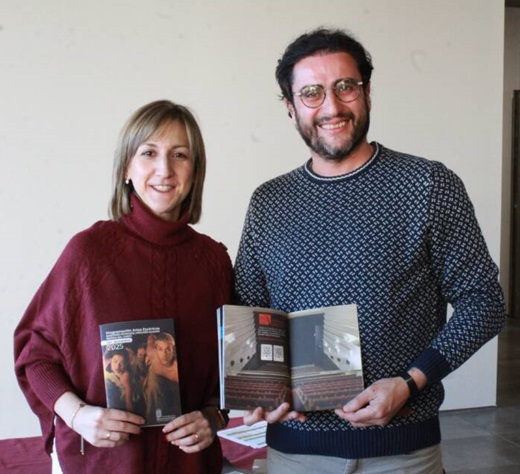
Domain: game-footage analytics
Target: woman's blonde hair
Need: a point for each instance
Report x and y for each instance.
(146, 121)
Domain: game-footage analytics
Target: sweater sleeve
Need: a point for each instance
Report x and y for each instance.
(466, 275)
(225, 270)
(250, 282)
(39, 360)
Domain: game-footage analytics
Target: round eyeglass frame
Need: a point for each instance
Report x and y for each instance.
(334, 88)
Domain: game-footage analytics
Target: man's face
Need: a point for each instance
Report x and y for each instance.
(335, 129)
(164, 352)
(141, 354)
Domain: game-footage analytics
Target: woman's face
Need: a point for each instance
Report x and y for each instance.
(162, 171)
(117, 364)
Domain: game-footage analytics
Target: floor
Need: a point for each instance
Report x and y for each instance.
(487, 440)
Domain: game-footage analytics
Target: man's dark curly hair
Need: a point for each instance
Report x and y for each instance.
(321, 40)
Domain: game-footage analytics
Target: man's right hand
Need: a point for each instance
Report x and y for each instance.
(282, 413)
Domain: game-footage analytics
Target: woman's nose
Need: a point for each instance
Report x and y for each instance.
(164, 167)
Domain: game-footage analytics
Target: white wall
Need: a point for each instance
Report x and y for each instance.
(72, 71)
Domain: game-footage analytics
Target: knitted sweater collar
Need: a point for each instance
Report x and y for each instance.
(142, 222)
(307, 168)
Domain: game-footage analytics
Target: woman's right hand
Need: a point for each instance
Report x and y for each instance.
(106, 427)
(101, 427)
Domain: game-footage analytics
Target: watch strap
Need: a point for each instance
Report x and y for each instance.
(412, 386)
(223, 416)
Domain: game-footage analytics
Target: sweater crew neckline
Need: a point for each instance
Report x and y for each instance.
(333, 179)
(142, 222)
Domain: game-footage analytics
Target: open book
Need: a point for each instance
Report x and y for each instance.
(140, 369)
(311, 358)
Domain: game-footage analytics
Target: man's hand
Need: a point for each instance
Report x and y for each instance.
(282, 413)
(378, 404)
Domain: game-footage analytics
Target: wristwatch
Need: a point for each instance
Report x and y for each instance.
(223, 416)
(412, 386)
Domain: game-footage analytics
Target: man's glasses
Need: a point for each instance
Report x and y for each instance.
(346, 90)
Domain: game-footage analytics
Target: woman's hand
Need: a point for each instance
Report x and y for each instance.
(106, 427)
(101, 427)
(191, 432)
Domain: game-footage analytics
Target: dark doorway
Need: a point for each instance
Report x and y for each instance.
(514, 280)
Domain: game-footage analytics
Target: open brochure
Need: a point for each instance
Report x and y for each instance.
(140, 369)
(311, 358)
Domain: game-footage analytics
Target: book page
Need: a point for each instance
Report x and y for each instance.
(252, 436)
(254, 353)
(326, 368)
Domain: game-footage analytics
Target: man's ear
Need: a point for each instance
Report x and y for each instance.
(367, 96)
(290, 110)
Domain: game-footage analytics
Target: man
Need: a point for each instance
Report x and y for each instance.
(393, 233)
(140, 368)
(161, 387)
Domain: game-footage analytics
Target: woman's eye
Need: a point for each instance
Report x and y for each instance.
(146, 153)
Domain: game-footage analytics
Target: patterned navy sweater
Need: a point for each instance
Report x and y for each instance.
(399, 238)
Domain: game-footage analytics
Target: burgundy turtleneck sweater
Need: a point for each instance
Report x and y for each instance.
(141, 268)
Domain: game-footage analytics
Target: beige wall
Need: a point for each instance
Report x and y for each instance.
(72, 71)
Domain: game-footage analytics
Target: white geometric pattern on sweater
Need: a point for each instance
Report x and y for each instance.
(400, 239)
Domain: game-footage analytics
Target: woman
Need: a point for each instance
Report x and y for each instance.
(145, 263)
(118, 381)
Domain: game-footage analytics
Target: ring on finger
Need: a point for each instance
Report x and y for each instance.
(196, 437)
(107, 436)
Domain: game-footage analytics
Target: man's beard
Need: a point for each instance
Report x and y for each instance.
(327, 151)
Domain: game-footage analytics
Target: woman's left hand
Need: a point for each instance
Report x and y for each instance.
(191, 432)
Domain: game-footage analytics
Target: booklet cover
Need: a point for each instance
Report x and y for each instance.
(140, 369)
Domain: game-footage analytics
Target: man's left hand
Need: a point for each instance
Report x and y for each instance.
(378, 404)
